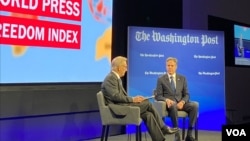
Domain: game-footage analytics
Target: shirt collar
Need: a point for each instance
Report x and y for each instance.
(174, 75)
(116, 74)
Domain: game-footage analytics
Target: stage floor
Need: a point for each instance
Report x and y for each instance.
(202, 136)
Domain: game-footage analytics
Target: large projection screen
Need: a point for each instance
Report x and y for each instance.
(200, 56)
(45, 41)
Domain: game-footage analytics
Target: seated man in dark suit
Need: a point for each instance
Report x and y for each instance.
(114, 93)
(172, 88)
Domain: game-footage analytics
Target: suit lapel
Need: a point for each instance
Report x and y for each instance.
(121, 87)
(178, 81)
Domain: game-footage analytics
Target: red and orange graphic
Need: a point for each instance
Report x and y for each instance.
(103, 45)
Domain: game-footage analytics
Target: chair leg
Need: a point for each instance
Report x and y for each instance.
(145, 136)
(129, 137)
(103, 132)
(138, 133)
(183, 128)
(196, 130)
(107, 132)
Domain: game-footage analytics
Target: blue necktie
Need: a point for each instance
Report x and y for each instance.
(172, 83)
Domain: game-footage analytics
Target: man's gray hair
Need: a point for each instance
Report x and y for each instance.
(117, 61)
(172, 59)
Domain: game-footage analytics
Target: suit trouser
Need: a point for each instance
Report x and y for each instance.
(152, 120)
(190, 107)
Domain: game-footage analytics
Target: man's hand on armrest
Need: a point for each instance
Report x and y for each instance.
(180, 104)
(169, 102)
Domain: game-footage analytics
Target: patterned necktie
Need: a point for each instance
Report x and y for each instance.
(172, 83)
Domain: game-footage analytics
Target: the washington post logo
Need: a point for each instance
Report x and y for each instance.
(236, 132)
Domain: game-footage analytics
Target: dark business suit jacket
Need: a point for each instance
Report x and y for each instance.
(164, 90)
(115, 95)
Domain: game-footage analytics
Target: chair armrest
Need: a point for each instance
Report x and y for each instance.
(160, 107)
(195, 102)
(132, 116)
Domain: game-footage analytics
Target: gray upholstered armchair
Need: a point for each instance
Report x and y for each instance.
(162, 110)
(109, 118)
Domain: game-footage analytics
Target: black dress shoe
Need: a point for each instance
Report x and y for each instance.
(167, 130)
(189, 138)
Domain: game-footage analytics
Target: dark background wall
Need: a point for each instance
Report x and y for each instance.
(196, 16)
(70, 112)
